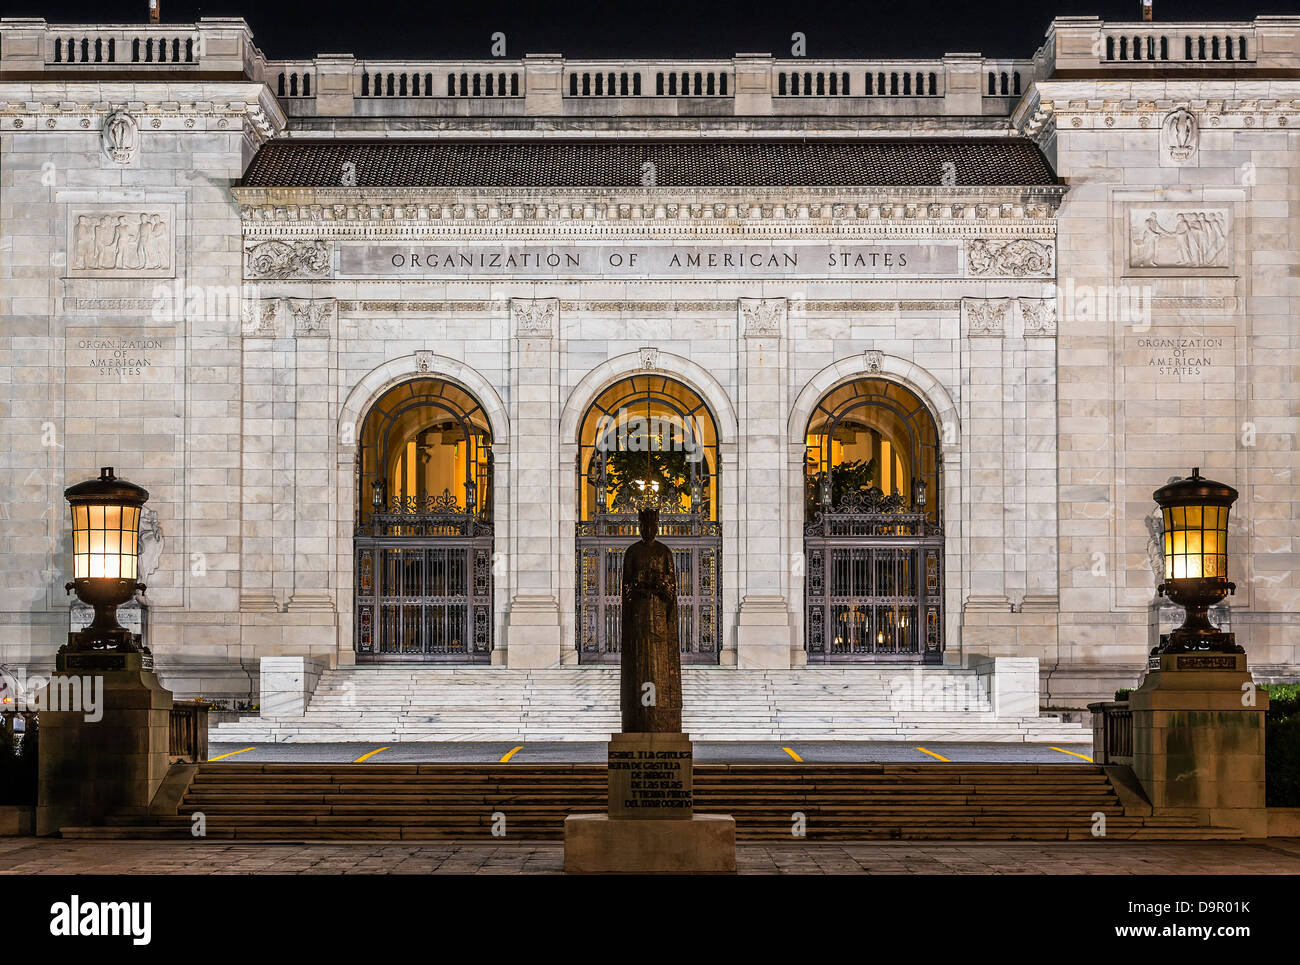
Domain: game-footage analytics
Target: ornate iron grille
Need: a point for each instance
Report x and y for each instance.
(696, 546)
(873, 586)
(424, 583)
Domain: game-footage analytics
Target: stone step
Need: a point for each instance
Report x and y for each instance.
(840, 802)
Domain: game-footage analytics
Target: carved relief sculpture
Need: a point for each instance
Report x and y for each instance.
(986, 316)
(285, 259)
(259, 317)
(1016, 258)
(1180, 135)
(762, 317)
(1179, 238)
(311, 316)
(126, 242)
(1039, 315)
(534, 317)
(120, 137)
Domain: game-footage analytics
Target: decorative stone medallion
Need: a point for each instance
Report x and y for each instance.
(120, 137)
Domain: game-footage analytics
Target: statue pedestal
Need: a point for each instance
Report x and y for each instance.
(650, 827)
(113, 762)
(1198, 740)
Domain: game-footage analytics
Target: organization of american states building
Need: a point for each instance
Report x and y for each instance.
(902, 348)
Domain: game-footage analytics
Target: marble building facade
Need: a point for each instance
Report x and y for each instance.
(1080, 263)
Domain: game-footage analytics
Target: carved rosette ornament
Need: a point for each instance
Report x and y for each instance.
(534, 317)
(985, 317)
(1015, 259)
(762, 317)
(120, 137)
(287, 259)
(312, 316)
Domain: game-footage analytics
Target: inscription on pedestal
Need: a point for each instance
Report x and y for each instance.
(650, 776)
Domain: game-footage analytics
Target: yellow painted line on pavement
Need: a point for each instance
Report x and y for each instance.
(511, 753)
(937, 757)
(793, 754)
(366, 757)
(231, 754)
(1073, 754)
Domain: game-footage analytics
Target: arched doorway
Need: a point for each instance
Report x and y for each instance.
(423, 543)
(648, 438)
(873, 536)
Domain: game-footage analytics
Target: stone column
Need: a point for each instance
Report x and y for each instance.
(258, 586)
(313, 322)
(763, 626)
(533, 635)
(984, 324)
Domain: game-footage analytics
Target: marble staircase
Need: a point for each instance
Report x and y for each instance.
(847, 802)
(391, 704)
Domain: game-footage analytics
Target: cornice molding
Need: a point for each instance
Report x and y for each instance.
(157, 108)
(1143, 105)
(687, 206)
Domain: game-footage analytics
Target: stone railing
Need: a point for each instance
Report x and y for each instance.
(215, 45)
(1087, 45)
(1202, 42)
(447, 78)
(187, 735)
(1112, 732)
(548, 84)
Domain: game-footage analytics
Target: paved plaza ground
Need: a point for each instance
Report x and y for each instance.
(27, 856)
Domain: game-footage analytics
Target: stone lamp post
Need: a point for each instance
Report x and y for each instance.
(1198, 719)
(105, 718)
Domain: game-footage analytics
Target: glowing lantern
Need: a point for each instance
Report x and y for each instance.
(105, 556)
(1195, 512)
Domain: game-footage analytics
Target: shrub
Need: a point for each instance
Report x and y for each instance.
(1283, 700)
(1282, 763)
(1123, 692)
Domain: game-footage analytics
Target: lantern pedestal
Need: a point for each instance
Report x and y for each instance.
(1198, 740)
(105, 724)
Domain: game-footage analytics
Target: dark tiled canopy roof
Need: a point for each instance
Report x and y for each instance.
(976, 162)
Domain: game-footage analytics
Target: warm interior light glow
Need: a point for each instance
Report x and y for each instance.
(1196, 542)
(105, 542)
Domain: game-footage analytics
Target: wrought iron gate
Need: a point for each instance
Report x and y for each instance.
(873, 586)
(696, 545)
(424, 584)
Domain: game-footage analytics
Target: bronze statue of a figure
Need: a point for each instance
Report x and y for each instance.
(651, 646)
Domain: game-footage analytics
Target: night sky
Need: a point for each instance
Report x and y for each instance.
(679, 28)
